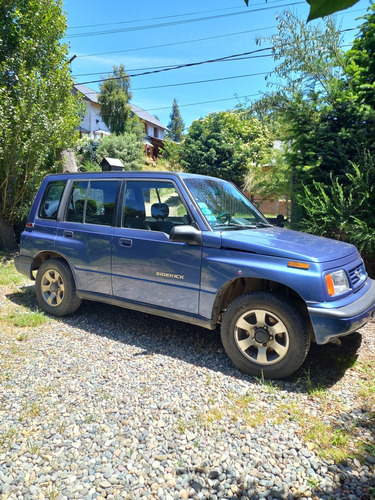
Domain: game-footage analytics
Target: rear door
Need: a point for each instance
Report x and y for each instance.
(146, 266)
(86, 233)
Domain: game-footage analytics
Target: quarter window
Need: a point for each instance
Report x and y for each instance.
(51, 200)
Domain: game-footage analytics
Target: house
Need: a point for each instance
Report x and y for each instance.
(92, 123)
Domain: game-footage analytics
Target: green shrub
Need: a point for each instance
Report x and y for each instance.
(344, 211)
(126, 147)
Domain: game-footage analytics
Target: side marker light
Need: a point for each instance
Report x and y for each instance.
(298, 265)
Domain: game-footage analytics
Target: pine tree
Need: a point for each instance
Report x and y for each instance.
(176, 124)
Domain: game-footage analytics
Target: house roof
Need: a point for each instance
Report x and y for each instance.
(92, 96)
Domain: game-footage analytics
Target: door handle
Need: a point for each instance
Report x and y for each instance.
(68, 234)
(125, 242)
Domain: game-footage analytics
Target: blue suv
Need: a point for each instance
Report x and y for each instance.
(193, 248)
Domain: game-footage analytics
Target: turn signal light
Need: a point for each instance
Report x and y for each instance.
(298, 265)
(330, 285)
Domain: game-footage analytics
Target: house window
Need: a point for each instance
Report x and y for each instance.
(155, 132)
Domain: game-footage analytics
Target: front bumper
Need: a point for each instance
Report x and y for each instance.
(329, 324)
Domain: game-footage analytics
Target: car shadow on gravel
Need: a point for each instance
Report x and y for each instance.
(324, 366)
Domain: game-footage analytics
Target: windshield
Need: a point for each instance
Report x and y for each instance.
(223, 205)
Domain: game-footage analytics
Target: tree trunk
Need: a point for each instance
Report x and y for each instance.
(68, 160)
(7, 236)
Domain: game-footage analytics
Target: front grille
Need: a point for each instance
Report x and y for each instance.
(357, 275)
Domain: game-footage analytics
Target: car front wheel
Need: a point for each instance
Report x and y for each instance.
(265, 335)
(55, 288)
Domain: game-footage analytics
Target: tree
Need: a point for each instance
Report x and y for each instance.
(171, 154)
(114, 98)
(309, 57)
(344, 211)
(225, 144)
(176, 124)
(272, 180)
(322, 8)
(38, 111)
(323, 125)
(361, 63)
(126, 147)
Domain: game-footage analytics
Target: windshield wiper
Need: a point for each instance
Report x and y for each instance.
(262, 224)
(232, 224)
(253, 225)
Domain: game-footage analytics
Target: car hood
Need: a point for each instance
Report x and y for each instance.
(279, 242)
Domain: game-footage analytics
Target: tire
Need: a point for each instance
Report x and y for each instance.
(264, 335)
(55, 288)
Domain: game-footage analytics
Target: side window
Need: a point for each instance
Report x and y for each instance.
(153, 205)
(51, 200)
(93, 203)
(76, 204)
(134, 211)
(101, 201)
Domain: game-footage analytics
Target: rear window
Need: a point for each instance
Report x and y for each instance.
(51, 200)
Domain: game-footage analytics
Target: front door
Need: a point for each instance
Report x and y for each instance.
(146, 266)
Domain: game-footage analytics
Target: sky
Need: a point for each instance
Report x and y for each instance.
(149, 37)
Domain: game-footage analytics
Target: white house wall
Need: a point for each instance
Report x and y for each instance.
(92, 120)
(151, 132)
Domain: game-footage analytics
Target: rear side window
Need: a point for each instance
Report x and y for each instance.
(93, 202)
(51, 200)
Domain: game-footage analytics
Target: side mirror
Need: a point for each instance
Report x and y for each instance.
(186, 234)
(277, 221)
(280, 220)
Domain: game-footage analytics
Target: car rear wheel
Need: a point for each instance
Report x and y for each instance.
(55, 288)
(265, 335)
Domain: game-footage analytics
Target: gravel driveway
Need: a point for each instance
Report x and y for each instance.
(116, 404)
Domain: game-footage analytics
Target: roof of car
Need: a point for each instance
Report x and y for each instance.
(162, 174)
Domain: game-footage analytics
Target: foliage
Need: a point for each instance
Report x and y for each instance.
(309, 57)
(176, 124)
(89, 166)
(160, 164)
(344, 211)
(114, 98)
(361, 63)
(321, 8)
(126, 147)
(225, 145)
(171, 153)
(321, 122)
(271, 181)
(8, 273)
(38, 111)
(85, 150)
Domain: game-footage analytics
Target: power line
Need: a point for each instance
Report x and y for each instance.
(206, 102)
(233, 57)
(176, 43)
(167, 68)
(159, 69)
(149, 19)
(160, 17)
(202, 81)
(150, 70)
(175, 23)
(189, 83)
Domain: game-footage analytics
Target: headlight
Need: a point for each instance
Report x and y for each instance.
(337, 282)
